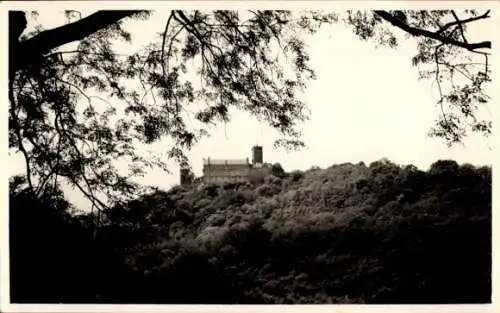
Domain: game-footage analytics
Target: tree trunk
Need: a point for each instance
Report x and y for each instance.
(44, 42)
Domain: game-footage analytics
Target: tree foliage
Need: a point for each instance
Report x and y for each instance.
(350, 233)
(73, 113)
(459, 67)
(64, 135)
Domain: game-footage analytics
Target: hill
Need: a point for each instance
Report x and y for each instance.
(350, 233)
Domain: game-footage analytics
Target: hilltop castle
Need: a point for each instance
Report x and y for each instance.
(221, 171)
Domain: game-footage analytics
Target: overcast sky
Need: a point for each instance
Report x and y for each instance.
(366, 104)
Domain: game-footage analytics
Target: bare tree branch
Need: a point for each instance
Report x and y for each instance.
(433, 35)
(460, 26)
(53, 38)
(17, 129)
(461, 22)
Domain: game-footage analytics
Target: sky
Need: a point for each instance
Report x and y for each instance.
(366, 104)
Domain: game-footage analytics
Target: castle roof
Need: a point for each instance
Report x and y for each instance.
(225, 161)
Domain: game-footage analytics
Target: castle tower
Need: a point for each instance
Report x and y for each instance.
(257, 155)
(185, 176)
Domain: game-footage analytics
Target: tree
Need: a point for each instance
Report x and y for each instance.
(460, 68)
(65, 137)
(277, 170)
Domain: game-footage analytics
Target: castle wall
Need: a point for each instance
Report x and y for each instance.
(221, 173)
(259, 172)
(236, 170)
(233, 173)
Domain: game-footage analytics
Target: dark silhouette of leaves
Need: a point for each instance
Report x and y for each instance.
(408, 236)
(63, 123)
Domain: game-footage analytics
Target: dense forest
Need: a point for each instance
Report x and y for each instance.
(350, 233)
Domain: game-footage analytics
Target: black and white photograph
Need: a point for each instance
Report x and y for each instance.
(248, 153)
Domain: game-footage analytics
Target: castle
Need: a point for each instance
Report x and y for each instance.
(220, 171)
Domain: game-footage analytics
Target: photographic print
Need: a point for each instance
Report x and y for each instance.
(202, 154)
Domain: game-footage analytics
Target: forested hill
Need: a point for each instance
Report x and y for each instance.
(350, 233)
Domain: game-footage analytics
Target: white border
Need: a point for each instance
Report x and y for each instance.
(5, 306)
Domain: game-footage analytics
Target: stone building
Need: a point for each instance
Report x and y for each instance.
(236, 170)
(186, 176)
